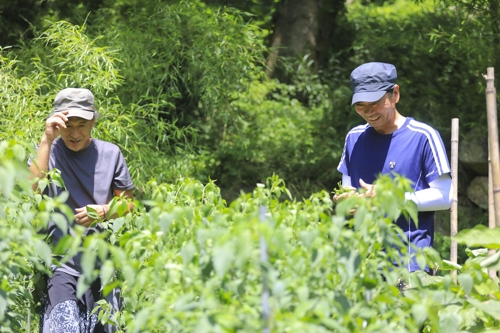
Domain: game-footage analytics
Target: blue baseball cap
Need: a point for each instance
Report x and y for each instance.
(370, 81)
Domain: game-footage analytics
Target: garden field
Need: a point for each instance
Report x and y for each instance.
(187, 261)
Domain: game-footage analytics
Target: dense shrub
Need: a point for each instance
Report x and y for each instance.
(187, 261)
(437, 84)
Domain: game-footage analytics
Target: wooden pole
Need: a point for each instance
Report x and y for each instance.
(264, 258)
(491, 107)
(454, 204)
(491, 213)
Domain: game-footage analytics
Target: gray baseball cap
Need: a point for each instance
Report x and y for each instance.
(370, 81)
(78, 101)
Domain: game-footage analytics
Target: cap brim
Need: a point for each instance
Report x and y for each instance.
(367, 96)
(88, 115)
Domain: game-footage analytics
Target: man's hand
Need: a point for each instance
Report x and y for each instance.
(83, 218)
(369, 193)
(347, 191)
(55, 124)
(370, 189)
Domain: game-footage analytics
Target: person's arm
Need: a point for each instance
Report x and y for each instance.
(82, 217)
(40, 164)
(346, 180)
(438, 196)
(127, 198)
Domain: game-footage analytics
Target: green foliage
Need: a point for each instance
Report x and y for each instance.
(436, 84)
(73, 59)
(197, 56)
(24, 255)
(179, 87)
(187, 261)
(340, 189)
(156, 105)
(273, 131)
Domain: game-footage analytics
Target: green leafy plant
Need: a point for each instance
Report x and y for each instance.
(340, 189)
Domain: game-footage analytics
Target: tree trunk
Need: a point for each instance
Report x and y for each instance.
(303, 27)
(494, 7)
(295, 31)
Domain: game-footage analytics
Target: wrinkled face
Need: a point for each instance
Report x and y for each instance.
(380, 114)
(76, 135)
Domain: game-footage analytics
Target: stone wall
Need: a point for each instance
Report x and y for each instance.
(472, 183)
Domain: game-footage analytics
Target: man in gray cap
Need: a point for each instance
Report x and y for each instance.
(391, 143)
(94, 172)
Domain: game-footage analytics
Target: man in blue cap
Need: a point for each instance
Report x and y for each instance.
(392, 143)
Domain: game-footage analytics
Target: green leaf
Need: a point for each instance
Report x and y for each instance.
(113, 207)
(43, 251)
(102, 250)
(107, 271)
(487, 287)
(432, 256)
(55, 176)
(492, 262)
(204, 325)
(63, 245)
(419, 312)
(490, 307)
(6, 181)
(165, 221)
(92, 213)
(128, 273)
(449, 322)
(81, 286)
(61, 222)
(223, 257)
(88, 262)
(344, 207)
(118, 224)
(187, 252)
(350, 260)
(122, 208)
(479, 236)
(476, 252)
(466, 281)
(360, 216)
(307, 237)
(3, 304)
(421, 260)
(449, 266)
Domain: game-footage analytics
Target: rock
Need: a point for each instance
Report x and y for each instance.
(477, 192)
(469, 215)
(473, 153)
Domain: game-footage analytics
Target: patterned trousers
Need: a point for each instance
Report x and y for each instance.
(68, 317)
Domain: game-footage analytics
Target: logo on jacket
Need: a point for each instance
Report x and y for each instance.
(392, 165)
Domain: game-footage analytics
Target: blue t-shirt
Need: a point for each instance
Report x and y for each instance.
(415, 151)
(91, 176)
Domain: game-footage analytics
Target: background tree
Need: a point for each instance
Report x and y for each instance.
(187, 91)
(302, 28)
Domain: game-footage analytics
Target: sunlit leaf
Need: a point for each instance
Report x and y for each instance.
(479, 236)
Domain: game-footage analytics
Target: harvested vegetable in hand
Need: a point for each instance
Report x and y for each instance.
(340, 189)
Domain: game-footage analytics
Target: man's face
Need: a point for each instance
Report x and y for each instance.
(380, 114)
(76, 135)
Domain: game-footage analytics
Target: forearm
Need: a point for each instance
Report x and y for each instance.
(40, 164)
(438, 197)
(346, 180)
(105, 208)
(122, 198)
